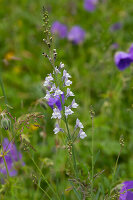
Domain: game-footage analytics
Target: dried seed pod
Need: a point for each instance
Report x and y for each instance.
(5, 123)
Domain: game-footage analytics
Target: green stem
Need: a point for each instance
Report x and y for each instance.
(4, 158)
(44, 177)
(6, 166)
(44, 191)
(114, 172)
(92, 158)
(3, 90)
(73, 152)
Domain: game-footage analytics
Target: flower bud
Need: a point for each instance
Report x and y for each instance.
(5, 123)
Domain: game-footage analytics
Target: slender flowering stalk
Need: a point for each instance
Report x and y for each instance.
(58, 93)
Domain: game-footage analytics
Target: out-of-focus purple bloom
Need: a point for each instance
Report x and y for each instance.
(126, 191)
(52, 101)
(11, 157)
(76, 35)
(90, 5)
(123, 60)
(131, 51)
(114, 46)
(59, 29)
(116, 26)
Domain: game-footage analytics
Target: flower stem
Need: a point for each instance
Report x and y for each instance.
(92, 153)
(73, 152)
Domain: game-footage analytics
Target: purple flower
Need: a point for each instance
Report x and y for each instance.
(131, 51)
(52, 101)
(126, 191)
(12, 156)
(114, 46)
(60, 29)
(123, 60)
(76, 35)
(116, 26)
(90, 5)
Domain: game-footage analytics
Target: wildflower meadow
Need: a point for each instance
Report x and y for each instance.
(66, 103)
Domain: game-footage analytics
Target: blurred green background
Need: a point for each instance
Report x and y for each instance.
(96, 82)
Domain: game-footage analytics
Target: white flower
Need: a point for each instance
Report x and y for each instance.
(74, 104)
(46, 83)
(57, 70)
(53, 88)
(67, 82)
(47, 96)
(69, 93)
(79, 124)
(61, 65)
(48, 80)
(56, 114)
(82, 134)
(57, 129)
(58, 92)
(65, 74)
(68, 111)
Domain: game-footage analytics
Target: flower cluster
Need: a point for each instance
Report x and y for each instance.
(123, 59)
(57, 98)
(126, 191)
(12, 156)
(75, 35)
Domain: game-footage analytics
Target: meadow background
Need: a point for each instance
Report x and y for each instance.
(96, 82)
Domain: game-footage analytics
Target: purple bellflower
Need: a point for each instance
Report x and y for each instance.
(123, 60)
(12, 156)
(59, 29)
(76, 35)
(126, 191)
(90, 5)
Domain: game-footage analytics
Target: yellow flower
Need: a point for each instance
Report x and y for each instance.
(9, 55)
(34, 127)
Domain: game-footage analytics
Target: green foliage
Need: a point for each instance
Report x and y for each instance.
(96, 81)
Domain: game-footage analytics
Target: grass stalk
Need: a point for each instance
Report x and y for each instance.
(44, 177)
